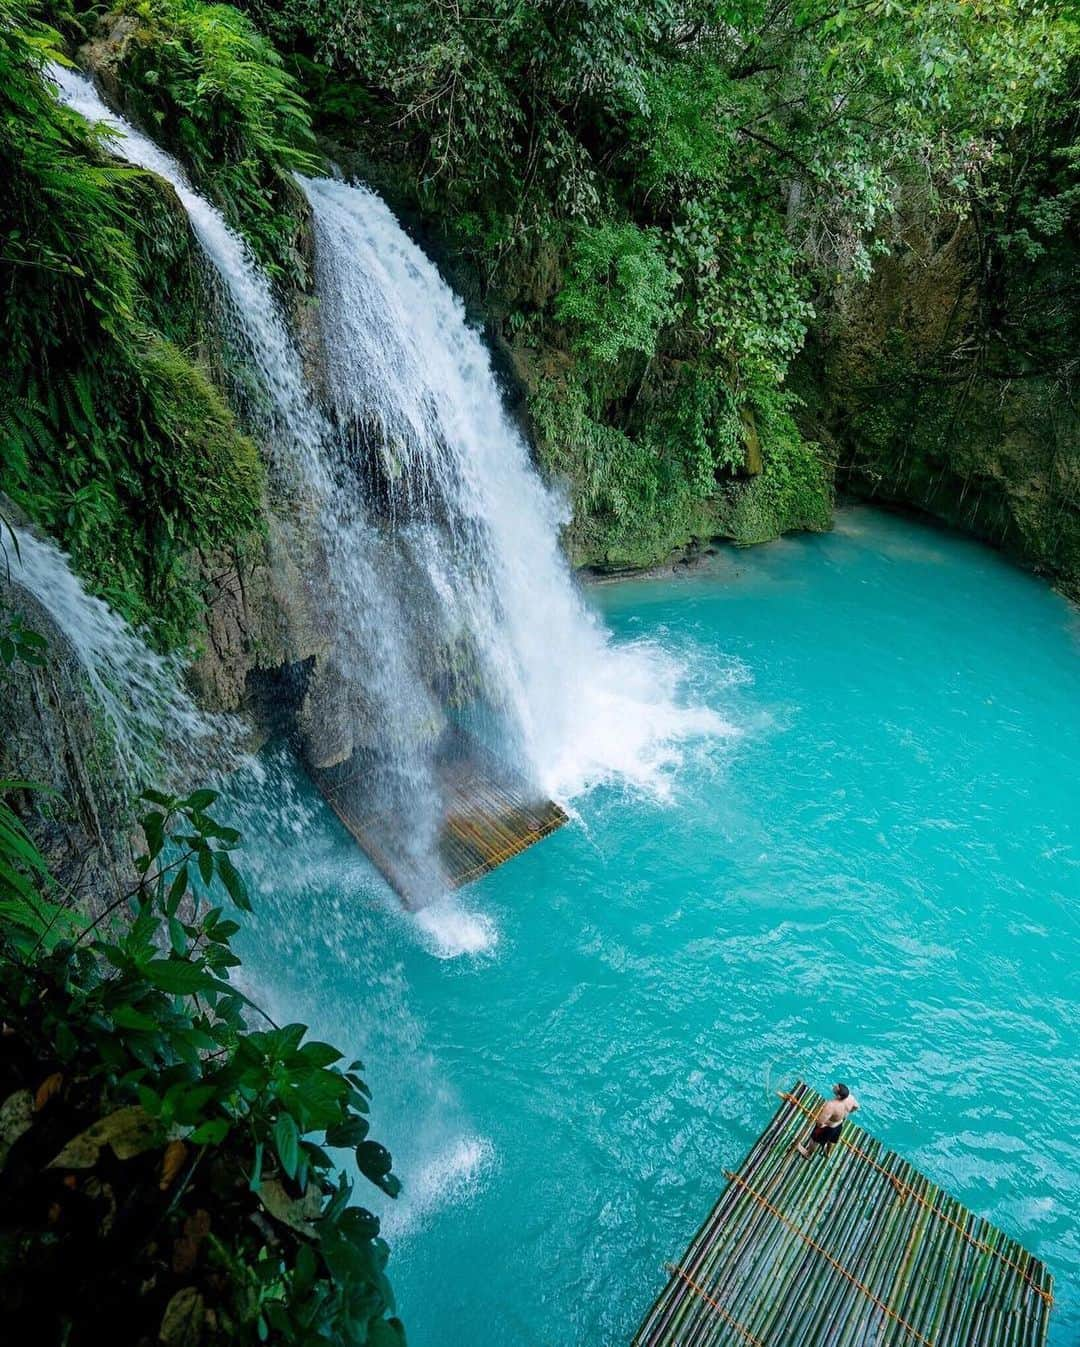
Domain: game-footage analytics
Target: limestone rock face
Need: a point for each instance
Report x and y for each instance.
(930, 393)
(326, 720)
(260, 614)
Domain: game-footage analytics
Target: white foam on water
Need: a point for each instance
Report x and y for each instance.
(451, 930)
(449, 1176)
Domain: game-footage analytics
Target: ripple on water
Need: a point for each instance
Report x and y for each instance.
(862, 883)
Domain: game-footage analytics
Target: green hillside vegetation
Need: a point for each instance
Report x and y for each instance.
(652, 203)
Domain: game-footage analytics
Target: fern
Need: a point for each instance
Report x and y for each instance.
(112, 439)
(29, 909)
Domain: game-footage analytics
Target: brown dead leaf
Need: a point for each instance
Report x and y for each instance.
(296, 1212)
(81, 1152)
(45, 1091)
(182, 1323)
(129, 1131)
(16, 1117)
(171, 1163)
(186, 1248)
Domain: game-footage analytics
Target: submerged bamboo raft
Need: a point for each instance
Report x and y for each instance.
(849, 1248)
(488, 817)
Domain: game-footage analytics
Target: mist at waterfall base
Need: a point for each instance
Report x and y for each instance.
(876, 881)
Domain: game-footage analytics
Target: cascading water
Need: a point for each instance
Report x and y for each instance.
(413, 382)
(370, 669)
(454, 578)
(248, 291)
(155, 728)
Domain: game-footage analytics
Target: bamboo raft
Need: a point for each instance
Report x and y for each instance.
(487, 818)
(850, 1248)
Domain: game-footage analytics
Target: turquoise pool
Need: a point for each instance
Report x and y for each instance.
(872, 875)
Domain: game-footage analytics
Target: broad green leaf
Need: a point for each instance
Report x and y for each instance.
(177, 889)
(320, 1054)
(127, 1017)
(373, 1160)
(178, 976)
(210, 1133)
(287, 1143)
(349, 1133)
(234, 885)
(177, 937)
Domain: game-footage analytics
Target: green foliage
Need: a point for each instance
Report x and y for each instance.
(113, 438)
(683, 473)
(209, 86)
(617, 291)
(965, 405)
(133, 1084)
(30, 911)
(627, 508)
(743, 292)
(696, 413)
(19, 644)
(28, 902)
(793, 490)
(686, 141)
(709, 167)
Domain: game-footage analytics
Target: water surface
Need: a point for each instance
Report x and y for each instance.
(872, 877)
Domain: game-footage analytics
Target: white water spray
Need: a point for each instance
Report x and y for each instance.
(248, 290)
(154, 725)
(371, 670)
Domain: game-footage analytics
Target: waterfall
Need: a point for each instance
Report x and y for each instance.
(447, 598)
(370, 672)
(159, 735)
(414, 383)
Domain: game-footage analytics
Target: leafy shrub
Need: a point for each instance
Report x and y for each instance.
(212, 88)
(617, 291)
(158, 1177)
(632, 500)
(793, 490)
(114, 439)
(694, 415)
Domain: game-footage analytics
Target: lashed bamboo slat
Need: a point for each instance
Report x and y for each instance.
(487, 819)
(849, 1248)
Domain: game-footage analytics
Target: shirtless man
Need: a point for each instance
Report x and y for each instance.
(829, 1120)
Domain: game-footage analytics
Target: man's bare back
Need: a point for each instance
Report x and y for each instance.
(829, 1120)
(835, 1111)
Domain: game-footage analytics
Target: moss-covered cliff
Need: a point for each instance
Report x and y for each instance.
(950, 382)
(118, 438)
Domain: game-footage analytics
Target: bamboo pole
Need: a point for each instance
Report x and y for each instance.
(842, 1235)
(844, 1251)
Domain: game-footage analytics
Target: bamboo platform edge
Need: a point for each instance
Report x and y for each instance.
(851, 1248)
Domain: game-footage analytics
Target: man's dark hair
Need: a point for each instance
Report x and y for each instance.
(842, 1091)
